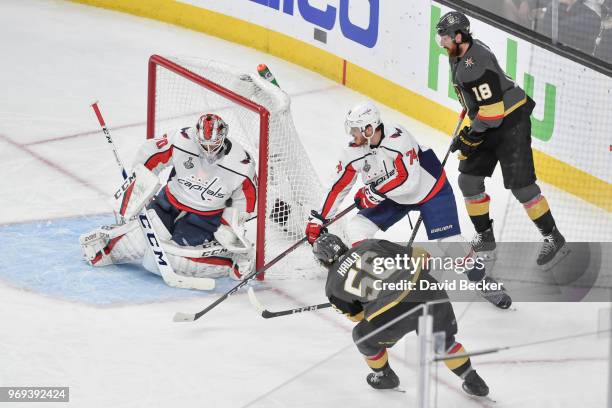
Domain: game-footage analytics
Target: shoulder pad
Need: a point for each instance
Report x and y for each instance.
(395, 135)
(475, 61)
(185, 139)
(237, 156)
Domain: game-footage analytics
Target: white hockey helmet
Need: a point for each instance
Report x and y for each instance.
(211, 131)
(362, 115)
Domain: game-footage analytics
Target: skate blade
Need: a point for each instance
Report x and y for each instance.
(559, 256)
(489, 401)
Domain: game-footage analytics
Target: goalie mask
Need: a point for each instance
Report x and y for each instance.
(211, 131)
(360, 116)
(328, 248)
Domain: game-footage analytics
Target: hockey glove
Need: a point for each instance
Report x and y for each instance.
(314, 228)
(467, 141)
(368, 197)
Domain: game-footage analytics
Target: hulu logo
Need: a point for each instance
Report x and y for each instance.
(541, 128)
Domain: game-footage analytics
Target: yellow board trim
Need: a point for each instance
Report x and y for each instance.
(549, 169)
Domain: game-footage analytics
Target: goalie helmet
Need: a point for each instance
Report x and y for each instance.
(211, 131)
(328, 248)
(362, 115)
(453, 22)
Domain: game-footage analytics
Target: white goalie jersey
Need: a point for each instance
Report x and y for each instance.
(225, 187)
(194, 184)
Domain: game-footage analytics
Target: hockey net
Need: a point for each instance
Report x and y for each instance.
(259, 118)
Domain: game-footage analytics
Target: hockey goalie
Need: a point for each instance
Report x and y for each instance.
(199, 214)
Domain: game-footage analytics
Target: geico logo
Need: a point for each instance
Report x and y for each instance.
(326, 19)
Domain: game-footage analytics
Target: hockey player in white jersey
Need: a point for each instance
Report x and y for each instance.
(199, 214)
(399, 176)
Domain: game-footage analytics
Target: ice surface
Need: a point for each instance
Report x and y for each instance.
(108, 333)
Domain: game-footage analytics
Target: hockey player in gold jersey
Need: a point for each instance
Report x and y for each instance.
(358, 290)
(500, 130)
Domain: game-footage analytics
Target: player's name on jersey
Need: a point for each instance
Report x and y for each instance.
(435, 286)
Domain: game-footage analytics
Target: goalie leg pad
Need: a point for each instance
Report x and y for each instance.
(210, 260)
(113, 244)
(231, 233)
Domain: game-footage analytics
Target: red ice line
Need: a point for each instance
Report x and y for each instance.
(54, 166)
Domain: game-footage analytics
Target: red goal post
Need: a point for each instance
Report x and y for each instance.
(181, 89)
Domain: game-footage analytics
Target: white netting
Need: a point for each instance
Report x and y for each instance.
(292, 186)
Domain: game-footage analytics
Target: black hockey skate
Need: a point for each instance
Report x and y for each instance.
(552, 250)
(383, 380)
(474, 385)
(484, 244)
(498, 297)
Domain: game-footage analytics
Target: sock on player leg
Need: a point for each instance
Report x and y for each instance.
(379, 361)
(478, 209)
(538, 210)
(461, 365)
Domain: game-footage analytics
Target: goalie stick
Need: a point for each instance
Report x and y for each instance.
(190, 317)
(267, 314)
(420, 220)
(151, 237)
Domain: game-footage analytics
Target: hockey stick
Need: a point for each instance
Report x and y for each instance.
(420, 220)
(190, 317)
(266, 314)
(152, 239)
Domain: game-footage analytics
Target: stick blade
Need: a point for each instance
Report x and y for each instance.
(183, 317)
(266, 314)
